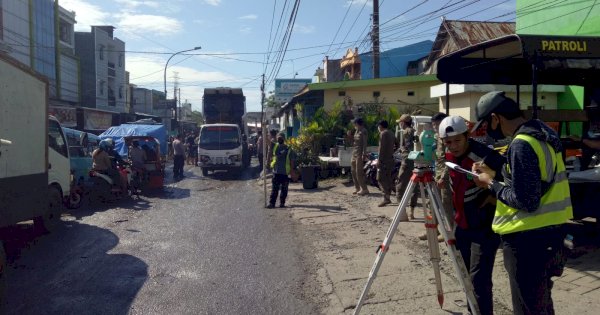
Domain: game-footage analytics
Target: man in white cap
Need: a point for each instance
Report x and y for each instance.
(474, 207)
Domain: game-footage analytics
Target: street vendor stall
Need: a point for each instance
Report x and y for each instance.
(533, 60)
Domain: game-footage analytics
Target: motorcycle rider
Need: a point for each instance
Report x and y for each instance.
(137, 156)
(101, 162)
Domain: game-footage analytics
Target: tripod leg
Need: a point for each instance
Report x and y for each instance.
(434, 249)
(459, 264)
(383, 248)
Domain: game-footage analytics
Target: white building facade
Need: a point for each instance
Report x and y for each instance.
(103, 80)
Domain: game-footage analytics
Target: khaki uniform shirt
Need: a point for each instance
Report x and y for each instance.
(360, 143)
(386, 147)
(441, 170)
(408, 140)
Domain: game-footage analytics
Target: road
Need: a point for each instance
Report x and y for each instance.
(203, 246)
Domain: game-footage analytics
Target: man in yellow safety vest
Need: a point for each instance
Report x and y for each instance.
(282, 166)
(533, 201)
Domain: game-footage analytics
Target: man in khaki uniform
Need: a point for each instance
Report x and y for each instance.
(385, 162)
(441, 170)
(406, 145)
(358, 155)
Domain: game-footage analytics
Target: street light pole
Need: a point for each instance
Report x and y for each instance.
(165, 73)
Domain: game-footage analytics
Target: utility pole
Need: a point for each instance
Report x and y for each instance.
(375, 39)
(175, 86)
(263, 127)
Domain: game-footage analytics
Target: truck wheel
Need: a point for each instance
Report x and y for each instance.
(204, 172)
(50, 219)
(2, 273)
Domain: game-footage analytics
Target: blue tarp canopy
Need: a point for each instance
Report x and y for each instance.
(117, 133)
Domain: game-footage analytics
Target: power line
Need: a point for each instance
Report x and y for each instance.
(340, 26)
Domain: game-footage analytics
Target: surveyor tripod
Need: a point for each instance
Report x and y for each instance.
(423, 177)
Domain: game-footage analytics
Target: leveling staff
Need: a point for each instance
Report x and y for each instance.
(474, 207)
(533, 202)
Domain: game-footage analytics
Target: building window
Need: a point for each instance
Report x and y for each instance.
(121, 60)
(65, 32)
(376, 94)
(410, 93)
(101, 87)
(342, 93)
(120, 92)
(101, 52)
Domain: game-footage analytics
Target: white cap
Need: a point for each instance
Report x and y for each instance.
(452, 126)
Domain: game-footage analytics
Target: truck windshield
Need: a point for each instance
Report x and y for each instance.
(219, 138)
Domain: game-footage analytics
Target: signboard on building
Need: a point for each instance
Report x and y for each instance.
(285, 89)
(164, 104)
(67, 116)
(96, 120)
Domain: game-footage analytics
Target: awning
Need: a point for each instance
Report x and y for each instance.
(559, 60)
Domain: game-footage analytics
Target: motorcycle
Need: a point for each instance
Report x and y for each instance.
(101, 186)
(370, 169)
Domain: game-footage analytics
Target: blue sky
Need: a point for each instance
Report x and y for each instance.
(235, 34)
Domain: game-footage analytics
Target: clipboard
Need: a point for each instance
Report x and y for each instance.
(459, 169)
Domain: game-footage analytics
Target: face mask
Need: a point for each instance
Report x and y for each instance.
(497, 133)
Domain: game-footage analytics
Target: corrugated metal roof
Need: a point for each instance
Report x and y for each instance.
(454, 35)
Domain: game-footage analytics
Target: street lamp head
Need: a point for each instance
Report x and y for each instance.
(197, 48)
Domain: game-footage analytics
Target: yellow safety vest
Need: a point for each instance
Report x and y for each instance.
(288, 165)
(555, 206)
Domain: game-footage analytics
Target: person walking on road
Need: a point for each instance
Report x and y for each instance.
(259, 151)
(178, 157)
(474, 206)
(359, 153)
(533, 201)
(282, 165)
(385, 162)
(404, 174)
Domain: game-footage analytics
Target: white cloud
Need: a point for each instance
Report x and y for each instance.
(301, 29)
(86, 14)
(249, 17)
(213, 2)
(152, 24)
(246, 30)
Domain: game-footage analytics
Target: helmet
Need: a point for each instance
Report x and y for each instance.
(104, 145)
(452, 126)
(110, 143)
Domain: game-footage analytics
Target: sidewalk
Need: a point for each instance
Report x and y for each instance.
(346, 230)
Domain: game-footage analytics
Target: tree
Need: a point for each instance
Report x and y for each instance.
(197, 117)
(270, 100)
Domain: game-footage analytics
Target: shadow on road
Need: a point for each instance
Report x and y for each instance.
(69, 271)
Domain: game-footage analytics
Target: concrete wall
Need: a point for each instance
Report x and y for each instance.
(464, 104)
(392, 94)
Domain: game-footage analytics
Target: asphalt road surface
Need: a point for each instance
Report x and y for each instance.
(203, 246)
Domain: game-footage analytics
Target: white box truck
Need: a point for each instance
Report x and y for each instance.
(34, 158)
(220, 148)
